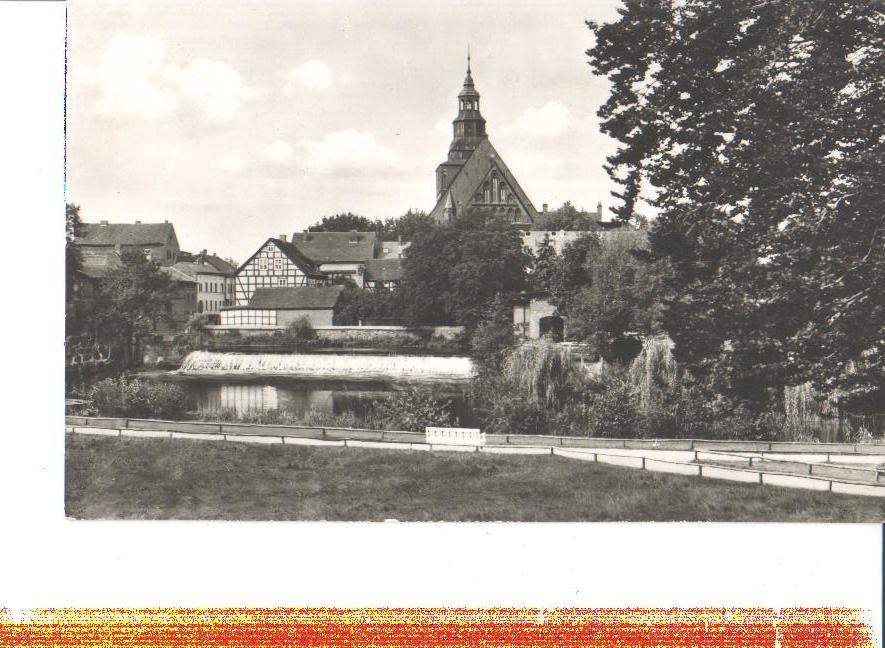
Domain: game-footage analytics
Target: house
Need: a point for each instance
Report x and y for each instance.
(157, 241)
(474, 177)
(279, 307)
(182, 303)
(276, 264)
(214, 287)
(383, 273)
(392, 249)
(339, 255)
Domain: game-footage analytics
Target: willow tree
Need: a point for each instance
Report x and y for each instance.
(758, 128)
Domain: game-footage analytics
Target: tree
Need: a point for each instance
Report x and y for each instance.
(758, 127)
(346, 222)
(545, 266)
(357, 305)
(624, 294)
(73, 266)
(405, 227)
(568, 217)
(131, 304)
(450, 272)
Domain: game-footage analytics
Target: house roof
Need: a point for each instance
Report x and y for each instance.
(384, 270)
(124, 234)
(292, 253)
(99, 263)
(471, 174)
(220, 264)
(178, 274)
(216, 261)
(303, 298)
(336, 247)
(193, 268)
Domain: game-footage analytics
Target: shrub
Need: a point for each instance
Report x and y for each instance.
(300, 331)
(138, 398)
(412, 410)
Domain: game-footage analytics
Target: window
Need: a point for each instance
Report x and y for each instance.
(262, 263)
(277, 264)
(282, 281)
(502, 193)
(147, 252)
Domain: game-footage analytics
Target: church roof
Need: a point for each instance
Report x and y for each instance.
(471, 174)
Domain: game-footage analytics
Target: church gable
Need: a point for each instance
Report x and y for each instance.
(485, 183)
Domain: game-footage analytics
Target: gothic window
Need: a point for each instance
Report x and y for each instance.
(486, 193)
(502, 193)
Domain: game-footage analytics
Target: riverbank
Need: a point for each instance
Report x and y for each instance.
(132, 478)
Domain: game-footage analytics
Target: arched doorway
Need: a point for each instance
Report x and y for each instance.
(552, 325)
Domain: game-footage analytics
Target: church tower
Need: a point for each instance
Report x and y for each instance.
(468, 130)
(473, 175)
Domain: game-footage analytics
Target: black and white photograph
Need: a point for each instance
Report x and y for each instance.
(474, 261)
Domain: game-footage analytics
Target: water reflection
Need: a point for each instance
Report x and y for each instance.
(302, 396)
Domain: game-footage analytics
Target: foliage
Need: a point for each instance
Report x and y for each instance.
(403, 227)
(359, 305)
(127, 397)
(451, 272)
(540, 372)
(492, 338)
(758, 127)
(300, 331)
(131, 304)
(74, 315)
(346, 222)
(563, 276)
(407, 226)
(412, 410)
(567, 217)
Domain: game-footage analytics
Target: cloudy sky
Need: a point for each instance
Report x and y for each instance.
(237, 121)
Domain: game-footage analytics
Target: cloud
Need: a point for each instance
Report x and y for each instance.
(231, 164)
(312, 75)
(133, 80)
(347, 149)
(549, 120)
(443, 126)
(130, 78)
(213, 87)
(280, 152)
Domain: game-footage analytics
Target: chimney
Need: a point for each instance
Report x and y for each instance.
(283, 238)
(104, 222)
(544, 208)
(599, 210)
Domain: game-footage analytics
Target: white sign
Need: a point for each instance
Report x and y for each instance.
(455, 436)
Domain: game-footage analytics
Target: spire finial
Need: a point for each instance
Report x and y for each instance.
(468, 58)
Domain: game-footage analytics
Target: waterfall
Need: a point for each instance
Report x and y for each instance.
(383, 367)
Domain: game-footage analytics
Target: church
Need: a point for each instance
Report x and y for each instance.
(474, 178)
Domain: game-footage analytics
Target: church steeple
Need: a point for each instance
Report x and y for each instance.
(468, 130)
(469, 127)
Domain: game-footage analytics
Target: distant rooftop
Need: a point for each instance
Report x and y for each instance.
(109, 234)
(332, 247)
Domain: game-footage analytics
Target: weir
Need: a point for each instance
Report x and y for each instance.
(308, 365)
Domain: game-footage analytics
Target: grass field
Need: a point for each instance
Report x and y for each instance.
(180, 479)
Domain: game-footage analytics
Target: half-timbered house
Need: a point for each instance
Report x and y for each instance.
(276, 264)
